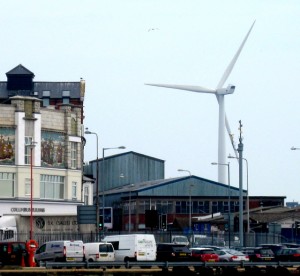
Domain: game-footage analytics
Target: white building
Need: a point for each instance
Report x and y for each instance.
(45, 119)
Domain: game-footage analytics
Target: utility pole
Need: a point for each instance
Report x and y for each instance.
(241, 211)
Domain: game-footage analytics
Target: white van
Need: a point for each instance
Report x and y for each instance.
(60, 251)
(99, 252)
(133, 247)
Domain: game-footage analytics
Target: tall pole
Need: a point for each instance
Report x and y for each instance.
(103, 183)
(103, 198)
(229, 207)
(229, 199)
(248, 204)
(129, 210)
(240, 151)
(248, 209)
(31, 192)
(190, 211)
(97, 183)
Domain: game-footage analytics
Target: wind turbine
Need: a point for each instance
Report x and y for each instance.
(220, 93)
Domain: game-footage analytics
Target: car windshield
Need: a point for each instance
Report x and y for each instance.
(235, 252)
(179, 248)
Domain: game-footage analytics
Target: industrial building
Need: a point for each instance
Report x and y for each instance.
(132, 183)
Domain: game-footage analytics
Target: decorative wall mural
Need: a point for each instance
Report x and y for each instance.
(52, 147)
(7, 145)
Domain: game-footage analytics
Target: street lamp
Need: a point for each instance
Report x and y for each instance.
(190, 198)
(97, 183)
(293, 148)
(103, 185)
(129, 210)
(248, 209)
(229, 211)
(31, 146)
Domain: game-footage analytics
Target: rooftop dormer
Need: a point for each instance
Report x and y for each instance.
(19, 78)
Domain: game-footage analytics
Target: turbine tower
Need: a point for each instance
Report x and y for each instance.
(220, 93)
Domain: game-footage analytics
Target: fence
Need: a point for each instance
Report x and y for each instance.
(194, 239)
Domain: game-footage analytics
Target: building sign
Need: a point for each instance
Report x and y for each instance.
(26, 210)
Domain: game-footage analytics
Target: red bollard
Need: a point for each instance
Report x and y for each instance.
(31, 247)
(23, 260)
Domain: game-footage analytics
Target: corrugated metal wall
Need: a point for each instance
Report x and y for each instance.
(127, 168)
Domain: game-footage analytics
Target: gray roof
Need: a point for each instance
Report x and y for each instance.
(20, 70)
(141, 187)
(55, 88)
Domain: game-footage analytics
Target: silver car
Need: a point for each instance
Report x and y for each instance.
(231, 255)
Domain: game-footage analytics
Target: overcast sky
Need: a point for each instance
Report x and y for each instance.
(118, 45)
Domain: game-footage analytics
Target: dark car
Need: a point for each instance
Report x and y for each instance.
(11, 253)
(173, 252)
(288, 255)
(274, 247)
(259, 254)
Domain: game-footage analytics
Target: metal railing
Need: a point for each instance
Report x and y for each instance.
(195, 239)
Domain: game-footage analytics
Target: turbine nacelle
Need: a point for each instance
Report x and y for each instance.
(224, 91)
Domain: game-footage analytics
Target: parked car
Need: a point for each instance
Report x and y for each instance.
(274, 247)
(291, 245)
(230, 255)
(204, 254)
(173, 252)
(99, 252)
(60, 251)
(288, 255)
(259, 254)
(11, 253)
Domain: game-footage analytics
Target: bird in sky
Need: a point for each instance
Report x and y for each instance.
(153, 29)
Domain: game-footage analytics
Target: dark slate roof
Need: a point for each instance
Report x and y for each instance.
(55, 89)
(19, 70)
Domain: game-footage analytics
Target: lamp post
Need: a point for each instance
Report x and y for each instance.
(129, 210)
(31, 146)
(190, 198)
(103, 184)
(248, 209)
(97, 184)
(293, 148)
(229, 192)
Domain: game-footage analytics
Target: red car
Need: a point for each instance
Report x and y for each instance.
(204, 254)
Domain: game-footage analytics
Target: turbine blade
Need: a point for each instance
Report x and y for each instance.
(191, 88)
(230, 134)
(232, 63)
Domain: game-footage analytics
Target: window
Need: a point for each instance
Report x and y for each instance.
(52, 186)
(66, 97)
(28, 142)
(7, 184)
(66, 100)
(74, 190)
(73, 126)
(27, 187)
(46, 98)
(73, 155)
(46, 102)
(86, 195)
